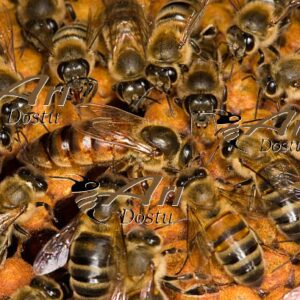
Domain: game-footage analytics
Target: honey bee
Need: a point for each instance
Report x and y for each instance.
(93, 246)
(202, 91)
(40, 288)
(221, 228)
(17, 194)
(109, 135)
(8, 76)
(280, 80)
(72, 58)
(99, 263)
(41, 19)
(146, 264)
(275, 178)
(170, 48)
(256, 27)
(125, 33)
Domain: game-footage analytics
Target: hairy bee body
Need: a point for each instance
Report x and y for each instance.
(202, 91)
(91, 264)
(16, 194)
(66, 147)
(70, 47)
(40, 288)
(226, 233)
(40, 19)
(254, 28)
(276, 180)
(282, 204)
(281, 79)
(9, 75)
(72, 59)
(125, 32)
(103, 141)
(236, 248)
(166, 52)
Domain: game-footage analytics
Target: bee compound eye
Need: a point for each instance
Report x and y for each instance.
(52, 25)
(6, 108)
(182, 180)
(5, 138)
(271, 87)
(172, 74)
(249, 41)
(200, 173)
(61, 70)
(41, 184)
(153, 240)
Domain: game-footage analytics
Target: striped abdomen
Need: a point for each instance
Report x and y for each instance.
(125, 34)
(279, 194)
(177, 12)
(124, 18)
(67, 147)
(236, 248)
(286, 215)
(91, 266)
(75, 31)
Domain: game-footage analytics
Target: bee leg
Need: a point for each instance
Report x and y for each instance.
(101, 59)
(92, 88)
(21, 231)
(195, 291)
(70, 11)
(261, 57)
(274, 50)
(48, 208)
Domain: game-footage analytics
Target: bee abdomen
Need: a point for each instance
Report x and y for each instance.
(287, 218)
(178, 11)
(236, 248)
(91, 266)
(74, 31)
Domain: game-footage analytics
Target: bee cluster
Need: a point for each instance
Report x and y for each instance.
(161, 160)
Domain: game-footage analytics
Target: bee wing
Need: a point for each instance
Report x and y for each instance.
(293, 294)
(111, 125)
(7, 42)
(93, 28)
(192, 22)
(9, 218)
(55, 252)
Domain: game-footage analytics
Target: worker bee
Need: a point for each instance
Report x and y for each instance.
(72, 58)
(99, 263)
(106, 136)
(41, 19)
(202, 91)
(17, 194)
(219, 228)
(40, 288)
(146, 264)
(125, 33)
(9, 75)
(256, 27)
(93, 246)
(275, 178)
(170, 49)
(280, 79)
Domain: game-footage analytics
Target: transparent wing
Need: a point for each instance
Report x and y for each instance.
(8, 218)
(293, 294)
(111, 125)
(192, 22)
(93, 28)
(55, 253)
